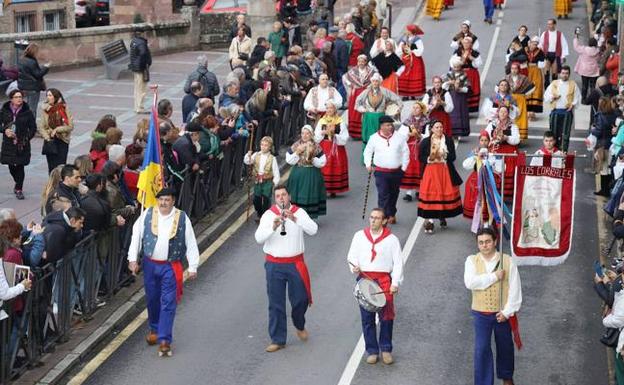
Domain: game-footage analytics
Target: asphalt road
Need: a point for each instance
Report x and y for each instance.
(220, 331)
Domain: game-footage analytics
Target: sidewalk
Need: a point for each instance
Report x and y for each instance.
(89, 96)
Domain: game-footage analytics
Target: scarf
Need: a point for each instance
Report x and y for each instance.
(57, 116)
(546, 152)
(384, 234)
(387, 138)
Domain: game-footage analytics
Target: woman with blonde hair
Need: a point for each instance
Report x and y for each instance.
(320, 37)
(53, 181)
(56, 126)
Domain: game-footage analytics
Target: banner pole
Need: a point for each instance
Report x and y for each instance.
(500, 235)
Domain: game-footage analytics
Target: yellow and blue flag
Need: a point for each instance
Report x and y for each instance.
(151, 176)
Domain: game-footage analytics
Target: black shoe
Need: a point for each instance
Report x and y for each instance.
(19, 195)
(407, 198)
(602, 193)
(443, 223)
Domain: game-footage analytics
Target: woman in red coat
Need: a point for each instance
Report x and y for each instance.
(357, 45)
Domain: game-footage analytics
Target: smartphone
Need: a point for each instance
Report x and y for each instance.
(598, 269)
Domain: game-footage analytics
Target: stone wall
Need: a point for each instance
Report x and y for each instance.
(73, 47)
(150, 10)
(7, 19)
(215, 29)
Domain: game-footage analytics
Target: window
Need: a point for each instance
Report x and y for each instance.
(53, 20)
(25, 22)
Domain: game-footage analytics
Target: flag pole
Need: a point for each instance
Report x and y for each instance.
(154, 88)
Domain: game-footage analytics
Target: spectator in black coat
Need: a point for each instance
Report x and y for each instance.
(603, 88)
(18, 128)
(208, 80)
(340, 51)
(30, 77)
(62, 230)
(293, 31)
(257, 55)
(66, 194)
(98, 211)
(189, 101)
(186, 147)
(173, 170)
(140, 61)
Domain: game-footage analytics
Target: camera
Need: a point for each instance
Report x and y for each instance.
(577, 30)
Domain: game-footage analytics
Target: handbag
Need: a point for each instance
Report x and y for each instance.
(610, 337)
(241, 56)
(146, 75)
(50, 147)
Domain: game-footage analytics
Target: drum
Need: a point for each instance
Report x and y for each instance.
(369, 295)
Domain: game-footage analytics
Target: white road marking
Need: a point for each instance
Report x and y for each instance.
(490, 55)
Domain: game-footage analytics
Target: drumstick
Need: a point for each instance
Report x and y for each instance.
(361, 272)
(382, 292)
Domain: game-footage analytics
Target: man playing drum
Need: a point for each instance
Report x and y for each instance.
(375, 254)
(281, 230)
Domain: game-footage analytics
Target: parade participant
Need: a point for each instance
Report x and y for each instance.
(464, 31)
(434, 9)
(305, 183)
(391, 157)
(375, 254)
(372, 104)
(412, 81)
(265, 172)
(493, 308)
(413, 128)
(356, 81)
(488, 10)
(331, 133)
(504, 139)
(517, 54)
(439, 103)
(439, 196)
(501, 97)
(281, 231)
(379, 46)
(555, 47)
(522, 38)
(389, 66)
(456, 82)
(162, 237)
(562, 8)
(357, 45)
(548, 148)
(520, 87)
(471, 61)
(563, 95)
(318, 97)
(535, 59)
(471, 188)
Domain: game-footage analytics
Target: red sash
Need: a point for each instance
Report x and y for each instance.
(384, 234)
(384, 281)
(178, 271)
(301, 268)
(277, 211)
(515, 330)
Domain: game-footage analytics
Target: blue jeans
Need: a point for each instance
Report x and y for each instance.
(369, 329)
(484, 325)
(488, 6)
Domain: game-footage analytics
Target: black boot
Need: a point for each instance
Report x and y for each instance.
(605, 186)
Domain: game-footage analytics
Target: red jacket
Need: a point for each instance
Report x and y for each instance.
(14, 255)
(612, 65)
(98, 158)
(356, 48)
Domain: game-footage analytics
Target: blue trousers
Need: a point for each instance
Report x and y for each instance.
(388, 185)
(484, 324)
(488, 6)
(160, 294)
(278, 276)
(369, 329)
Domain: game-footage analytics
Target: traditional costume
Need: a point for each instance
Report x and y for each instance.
(472, 73)
(504, 140)
(487, 297)
(555, 48)
(336, 170)
(285, 266)
(434, 8)
(562, 96)
(457, 84)
(317, 98)
(562, 8)
(379, 46)
(391, 157)
(266, 174)
(490, 106)
(388, 65)
(356, 81)
(162, 241)
(305, 183)
(372, 104)
(439, 196)
(520, 57)
(439, 103)
(535, 60)
(554, 162)
(520, 86)
(412, 81)
(456, 42)
(378, 256)
(413, 128)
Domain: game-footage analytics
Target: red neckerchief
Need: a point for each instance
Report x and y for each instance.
(386, 138)
(277, 211)
(384, 234)
(546, 152)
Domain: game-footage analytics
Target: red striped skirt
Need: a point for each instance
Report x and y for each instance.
(412, 81)
(355, 117)
(438, 197)
(445, 118)
(474, 95)
(336, 170)
(411, 177)
(449, 3)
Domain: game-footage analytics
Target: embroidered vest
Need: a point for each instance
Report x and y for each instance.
(177, 239)
(569, 96)
(267, 173)
(488, 300)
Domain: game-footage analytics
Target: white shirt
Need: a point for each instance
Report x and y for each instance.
(318, 161)
(455, 45)
(448, 102)
(474, 281)
(615, 319)
(379, 46)
(289, 245)
(161, 249)
(476, 63)
(563, 92)
(340, 138)
(554, 162)
(552, 43)
(393, 156)
(263, 159)
(512, 139)
(322, 99)
(388, 258)
(497, 164)
(418, 51)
